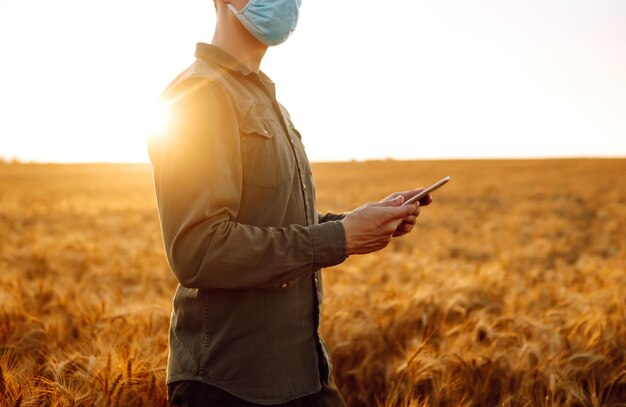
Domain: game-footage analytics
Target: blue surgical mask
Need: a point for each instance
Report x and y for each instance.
(270, 21)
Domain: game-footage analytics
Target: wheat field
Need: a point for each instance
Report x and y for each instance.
(511, 291)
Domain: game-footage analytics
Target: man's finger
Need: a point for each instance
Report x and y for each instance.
(403, 211)
(397, 201)
(426, 200)
(405, 194)
(403, 229)
(411, 193)
(411, 220)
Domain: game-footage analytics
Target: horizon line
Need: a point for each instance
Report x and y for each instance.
(17, 161)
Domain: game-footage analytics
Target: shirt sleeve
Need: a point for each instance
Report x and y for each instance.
(327, 217)
(197, 168)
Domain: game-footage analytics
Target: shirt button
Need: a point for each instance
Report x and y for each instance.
(304, 187)
(316, 280)
(283, 285)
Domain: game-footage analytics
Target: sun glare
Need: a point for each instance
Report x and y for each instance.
(155, 119)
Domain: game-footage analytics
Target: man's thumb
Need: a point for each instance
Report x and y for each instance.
(397, 201)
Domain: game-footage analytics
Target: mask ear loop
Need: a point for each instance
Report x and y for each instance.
(234, 10)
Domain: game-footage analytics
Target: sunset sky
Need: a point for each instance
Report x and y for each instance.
(362, 79)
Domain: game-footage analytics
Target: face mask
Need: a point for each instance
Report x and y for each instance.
(270, 21)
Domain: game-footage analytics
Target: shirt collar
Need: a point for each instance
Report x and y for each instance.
(212, 53)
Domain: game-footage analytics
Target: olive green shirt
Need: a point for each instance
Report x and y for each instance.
(241, 233)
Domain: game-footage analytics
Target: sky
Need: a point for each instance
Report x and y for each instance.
(404, 79)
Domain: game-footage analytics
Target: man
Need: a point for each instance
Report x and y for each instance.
(241, 232)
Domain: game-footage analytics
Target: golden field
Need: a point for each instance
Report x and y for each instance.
(511, 290)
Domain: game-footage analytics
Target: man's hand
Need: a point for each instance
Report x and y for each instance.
(407, 224)
(370, 227)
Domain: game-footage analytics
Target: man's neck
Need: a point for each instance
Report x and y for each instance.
(236, 41)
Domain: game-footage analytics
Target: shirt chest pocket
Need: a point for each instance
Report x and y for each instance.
(268, 161)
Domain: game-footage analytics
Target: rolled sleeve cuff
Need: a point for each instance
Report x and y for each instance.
(327, 217)
(329, 243)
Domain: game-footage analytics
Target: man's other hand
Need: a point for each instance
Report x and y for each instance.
(409, 222)
(371, 227)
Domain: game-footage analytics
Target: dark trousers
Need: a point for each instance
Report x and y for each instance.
(196, 394)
